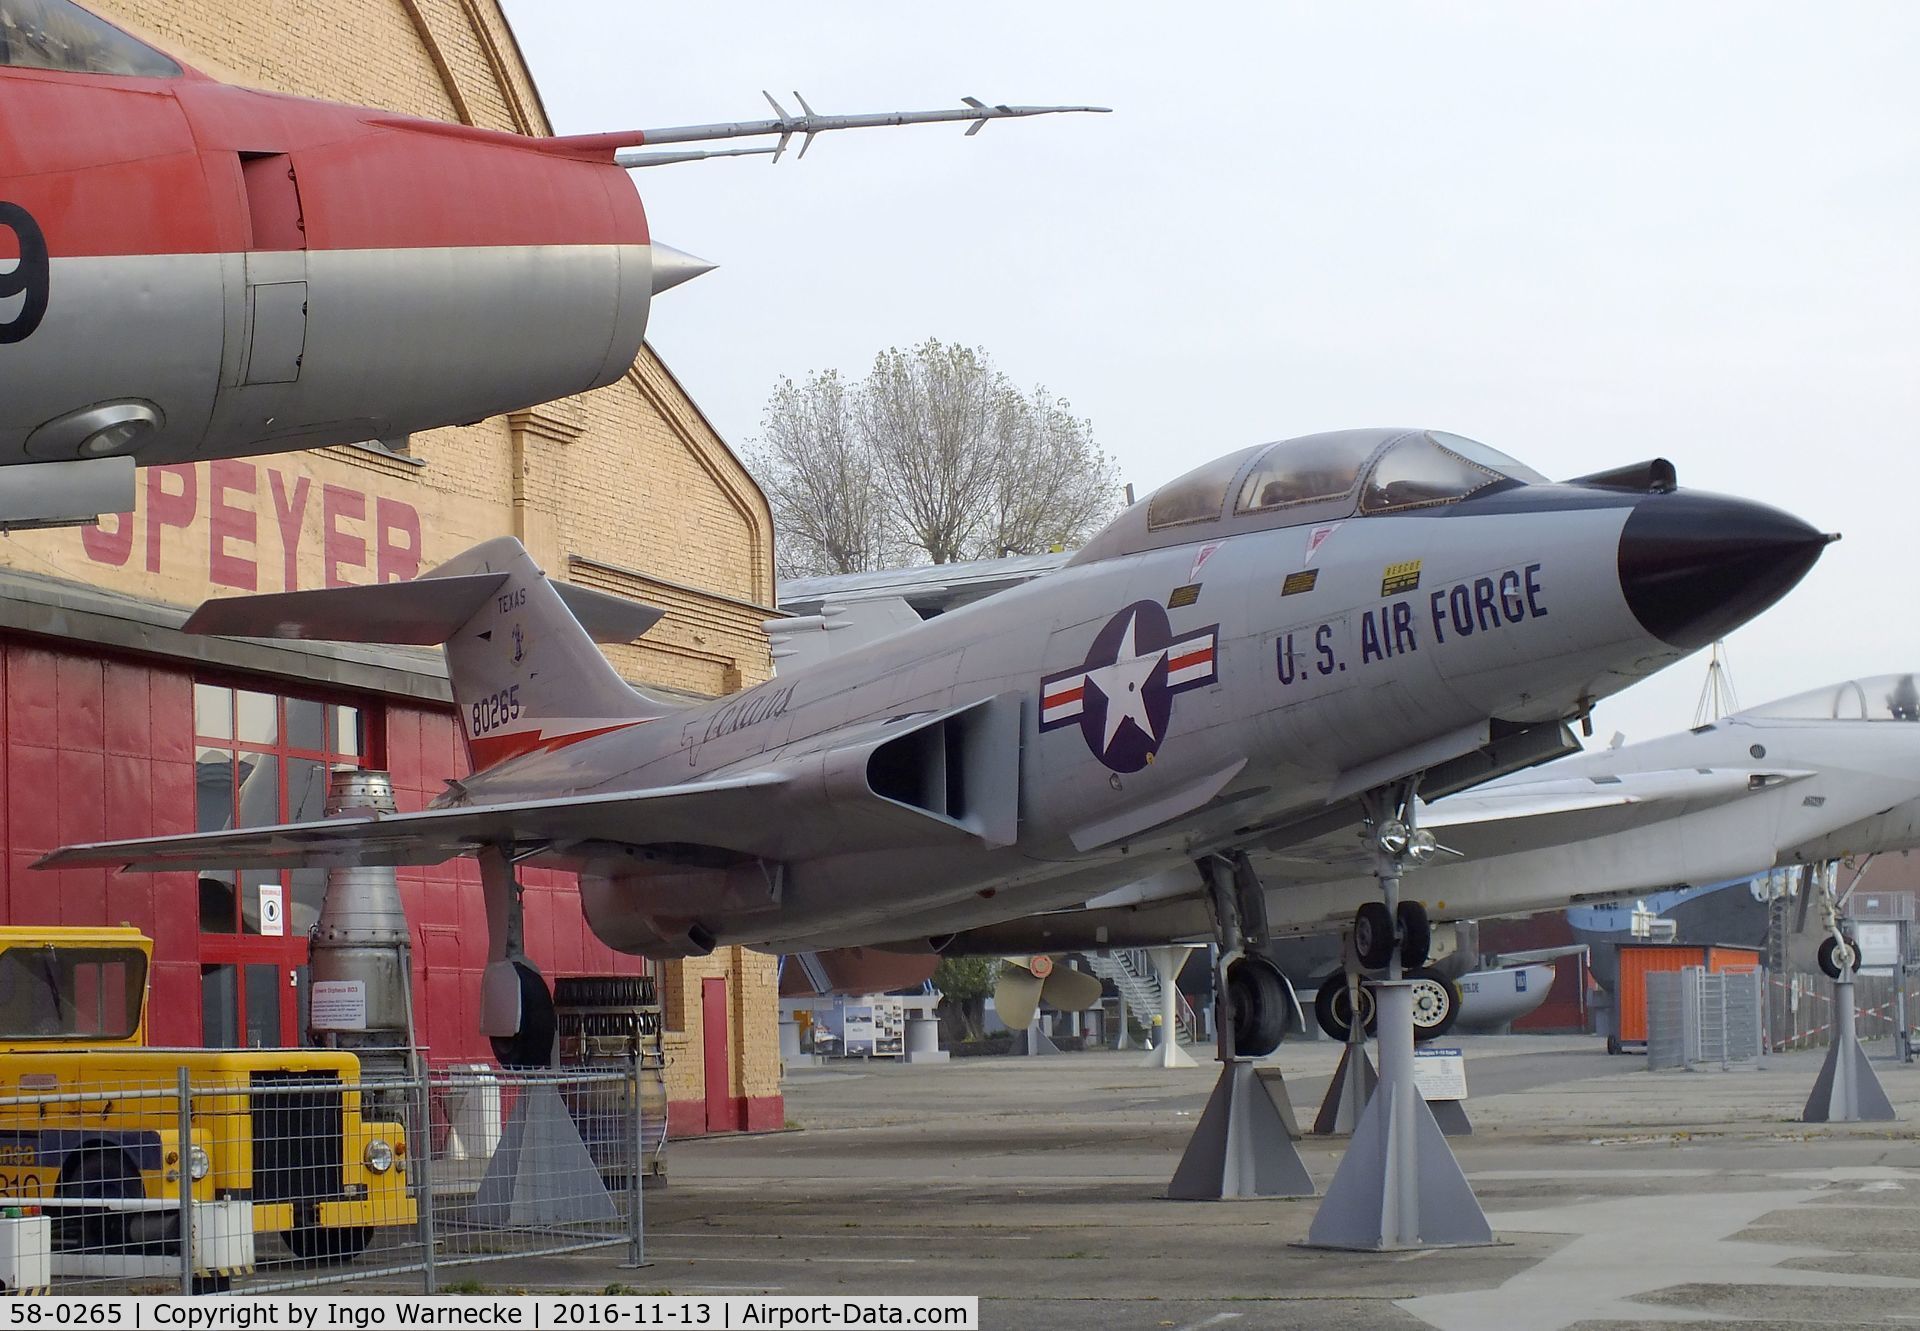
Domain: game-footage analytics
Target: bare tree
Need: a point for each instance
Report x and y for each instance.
(819, 480)
(934, 456)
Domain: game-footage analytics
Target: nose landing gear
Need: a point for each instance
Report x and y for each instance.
(1398, 1186)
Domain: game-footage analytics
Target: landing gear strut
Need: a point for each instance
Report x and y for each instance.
(1398, 1186)
(516, 1007)
(1243, 1146)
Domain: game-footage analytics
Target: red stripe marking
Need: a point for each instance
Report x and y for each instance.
(1073, 694)
(490, 750)
(1199, 657)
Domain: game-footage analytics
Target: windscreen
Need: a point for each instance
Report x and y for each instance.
(57, 34)
(65, 993)
(1417, 473)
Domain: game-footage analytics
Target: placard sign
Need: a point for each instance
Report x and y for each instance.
(1440, 1074)
(1879, 946)
(338, 1005)
(273, 910)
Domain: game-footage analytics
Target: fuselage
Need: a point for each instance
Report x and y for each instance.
(209, 271)
(1172, 701)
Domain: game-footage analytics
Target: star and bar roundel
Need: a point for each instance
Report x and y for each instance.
(1121, 697)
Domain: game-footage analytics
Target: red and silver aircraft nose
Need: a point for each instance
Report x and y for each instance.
(1695, 566)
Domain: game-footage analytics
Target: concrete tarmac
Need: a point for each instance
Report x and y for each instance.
(1620, 1198)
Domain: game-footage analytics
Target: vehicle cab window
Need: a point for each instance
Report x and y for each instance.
(1302, 472)
(58, 34)
(1418, 472)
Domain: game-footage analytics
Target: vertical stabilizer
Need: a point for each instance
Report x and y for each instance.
(526, 676)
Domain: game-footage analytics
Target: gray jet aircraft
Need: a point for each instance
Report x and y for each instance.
(1286, 640)
(1818, 776)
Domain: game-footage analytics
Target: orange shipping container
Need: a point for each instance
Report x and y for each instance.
(1639, 960)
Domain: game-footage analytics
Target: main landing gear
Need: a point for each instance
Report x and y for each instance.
(1398, 1186)
(516, 1007)
(1243, 1146)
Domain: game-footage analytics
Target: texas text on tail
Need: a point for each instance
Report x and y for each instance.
(1287, 640)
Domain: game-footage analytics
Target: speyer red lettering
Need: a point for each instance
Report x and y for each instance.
(340, 547)
(230, 522)
(289, 512)
(386, 542)
(169, 508)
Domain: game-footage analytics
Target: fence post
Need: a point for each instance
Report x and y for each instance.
(185, 1151)
(422, 1154)
(636, 1186)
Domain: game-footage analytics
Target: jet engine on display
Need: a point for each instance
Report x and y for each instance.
(1289, 642)
(193, 270)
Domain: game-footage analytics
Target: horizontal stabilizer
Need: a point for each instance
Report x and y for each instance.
(606, 617)
(728, 814)
(423, 613)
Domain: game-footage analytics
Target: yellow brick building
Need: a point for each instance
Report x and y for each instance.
(627, 489)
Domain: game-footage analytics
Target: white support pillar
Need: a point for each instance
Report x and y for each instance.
(1167, 964)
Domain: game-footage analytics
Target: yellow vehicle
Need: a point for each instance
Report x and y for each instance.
(277, 1127)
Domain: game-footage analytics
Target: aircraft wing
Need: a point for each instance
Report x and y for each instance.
(725, 814)
(1481, 824)
(1513, 816)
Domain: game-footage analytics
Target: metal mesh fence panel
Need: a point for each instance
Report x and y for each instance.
(299, 1179)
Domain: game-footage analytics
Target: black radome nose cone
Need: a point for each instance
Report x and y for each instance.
(1695, 566)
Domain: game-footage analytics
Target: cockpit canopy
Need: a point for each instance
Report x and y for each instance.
(58, 34)
(1876, 698)
(1317, 478)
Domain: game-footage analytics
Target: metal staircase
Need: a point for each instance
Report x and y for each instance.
(1132, 975)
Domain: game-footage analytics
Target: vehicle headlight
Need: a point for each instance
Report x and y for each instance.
(199, 1163)
(379, 1155)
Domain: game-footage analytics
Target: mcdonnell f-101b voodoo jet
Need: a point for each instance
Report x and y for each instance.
(1292, 638)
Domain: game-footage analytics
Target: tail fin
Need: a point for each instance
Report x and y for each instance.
(520, 649)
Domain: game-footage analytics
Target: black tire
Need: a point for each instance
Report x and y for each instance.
(1331, 1010)
(1257, 1002)
(311, 1243)
(1436, 1004)
(1829, 964)
(96, 1169)
(532, 1045)
(1373, 940)
(1416, 935)
(1614, 1046)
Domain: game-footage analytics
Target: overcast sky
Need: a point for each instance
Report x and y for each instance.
(1584, 233)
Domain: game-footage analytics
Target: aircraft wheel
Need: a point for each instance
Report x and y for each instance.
(532, 1045)
(1416, 935)
(1373, 940)
(1436, 1003)
(1830, 958)
(1257, 1000)
(1333, 1010)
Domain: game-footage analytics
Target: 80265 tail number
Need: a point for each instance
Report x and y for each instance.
(494, 710)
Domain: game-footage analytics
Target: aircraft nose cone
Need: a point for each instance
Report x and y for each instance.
(1694, 566)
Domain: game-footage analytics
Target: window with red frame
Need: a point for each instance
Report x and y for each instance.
(262, 758)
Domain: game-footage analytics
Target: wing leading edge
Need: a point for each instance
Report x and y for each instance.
(727, 814)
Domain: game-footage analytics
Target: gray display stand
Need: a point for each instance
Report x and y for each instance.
(1243, 1146)
(1399, 1186)
(1847, 1090)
